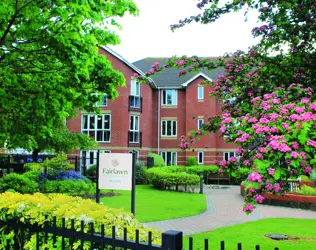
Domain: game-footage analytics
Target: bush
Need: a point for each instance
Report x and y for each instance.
(179, 181)
(57, 163)
(307, 190)
(140, 173)
(20, 183)
(33, 166)
(240, 175)
(192, 161)
(67, 186)
(312, 176)
(91, 172)
(62, 175)
(303, 178)
(34, 208)
(33, 175)
(158, 160)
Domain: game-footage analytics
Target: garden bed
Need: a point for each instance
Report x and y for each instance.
(288, 200)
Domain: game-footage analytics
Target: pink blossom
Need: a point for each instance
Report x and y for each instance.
(248, 207)
(295, 155)
(222, 163)
(246, 163)
(255, 99)
(233, 159)
(264, 121)
(295, 145)
(259, 198)
(308, 170)
(243, 138)
(303, 154)
(222, 129)
(299, 109)
(253, 119)
(227, 120)
(221, 170)
(285, 125)
(312, 106)
(259, 156)
(262, 150)
(255, 176)
(252, 190)
(304, 100)
(268, 186)
(311, 143)
(271, 171)
(285, 148)
(276, 187)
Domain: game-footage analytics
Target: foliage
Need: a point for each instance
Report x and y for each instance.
(179, 181)
(312, 176)
(50, 68)
(162, 204)
(140, 172)
(34, 208)
(192, 161)
(307, 190)
(20, 183)
(158, 160)
(303, 178)
(253, 233)
(62, 175)
(33, 175)
(197, 170)
(57, 163)
(91, 172)
(33, 166)
(66, 186)
(267, 94)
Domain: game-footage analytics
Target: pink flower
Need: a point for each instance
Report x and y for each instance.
(255, 99)
(262, 150)
(285, 125)
(308, 170)
(259, 198)
(233, 159)
(304, 100)
(239, 150)
(295, 155)
(276, 187)
(248, 208)
(221, 170)
(285, 148)
(312, 106)
(259, 156)
(299, 110)
(227, 120)
(246, 163)
(268, 186)
(295, 145)
(243, 138)
(222, 163)
(311, 143)
(222, 129)
(303, 154)
(271, 171)
(253, 119)
(255, 176)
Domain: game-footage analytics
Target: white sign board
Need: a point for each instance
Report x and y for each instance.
(115, 171)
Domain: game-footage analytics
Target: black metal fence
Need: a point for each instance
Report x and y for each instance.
(83, 236)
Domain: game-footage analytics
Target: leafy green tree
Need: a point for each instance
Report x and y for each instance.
(50, 67)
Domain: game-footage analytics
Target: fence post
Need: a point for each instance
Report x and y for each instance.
(201, 183)
(172, 240)
(76, 163)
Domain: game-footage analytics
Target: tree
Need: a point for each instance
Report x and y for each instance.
(50, 67)
(267, 94)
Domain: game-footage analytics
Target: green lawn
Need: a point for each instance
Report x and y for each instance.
(154, 205)
(252, 233)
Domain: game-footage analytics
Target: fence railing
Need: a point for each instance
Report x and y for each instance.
(69, 235)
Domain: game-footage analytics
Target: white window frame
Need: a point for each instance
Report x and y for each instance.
(100, 102)
(173, 154)
(174, 97)
(199, 126)
(200, 94)
(135, 93)
(137, 153)
(135, 129)
(165, 123)
(91, 160)
(95, 130)
(198, 156)
(229, 155)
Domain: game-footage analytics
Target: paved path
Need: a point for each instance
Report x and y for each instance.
(224, 208)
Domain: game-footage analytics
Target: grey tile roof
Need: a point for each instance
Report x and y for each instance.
(168, 78)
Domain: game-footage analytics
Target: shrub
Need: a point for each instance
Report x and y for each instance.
(67, 186)
(192, 161)
(33, 166)
(20, 183)
(312, 176)
(239, 175)
(33, 175)
(34, 208)
(307, 190)
(158, 160)
(62, 175)
(303, 178)
(91, 172)
(140, 172)
(179, 181)
(57, 163)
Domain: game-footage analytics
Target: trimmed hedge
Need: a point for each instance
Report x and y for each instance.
(192, 161)
(34, 208)
(19, 182)
(158, 160)
(178, 178)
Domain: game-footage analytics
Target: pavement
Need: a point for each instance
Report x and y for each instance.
(224, 208)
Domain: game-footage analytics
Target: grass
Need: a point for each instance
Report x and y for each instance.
(155, 205)
(251, 234)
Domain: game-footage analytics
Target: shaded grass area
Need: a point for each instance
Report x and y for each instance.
(251, 234)
(155, 205)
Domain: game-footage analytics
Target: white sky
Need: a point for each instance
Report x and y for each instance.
(149, 35)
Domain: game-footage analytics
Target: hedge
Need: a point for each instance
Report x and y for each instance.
(33, 209)
(178, 178)
(158, 160)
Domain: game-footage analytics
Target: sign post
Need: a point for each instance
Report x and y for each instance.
(116, 171)
(133, 183)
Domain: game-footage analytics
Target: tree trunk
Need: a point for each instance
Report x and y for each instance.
(35, 154)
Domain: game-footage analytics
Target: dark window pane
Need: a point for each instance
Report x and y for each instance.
(85, 122)
(99, 136)
(174, 128)
(106, 135)
(164, 127)
(106, 122)
(99, 122)
(169, 128)
(92, 121)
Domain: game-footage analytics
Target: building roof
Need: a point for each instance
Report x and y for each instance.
(168, 78)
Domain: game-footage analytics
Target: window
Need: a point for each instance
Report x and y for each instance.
(200, 92)
(169, 97)
(200, 123)
(134, 129)
(200, 157)
(228, 155)
(97, 127)
(170, 158)
(89, 158)
(135, 94)
(103, 100)
(169, 128)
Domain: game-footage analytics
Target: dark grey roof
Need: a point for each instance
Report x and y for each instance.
(168, 78)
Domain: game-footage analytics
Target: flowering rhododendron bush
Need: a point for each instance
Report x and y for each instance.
(267, 94)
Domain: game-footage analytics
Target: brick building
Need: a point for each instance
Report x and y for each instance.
(152, 117)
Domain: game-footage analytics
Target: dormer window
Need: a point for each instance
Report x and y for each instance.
(169, 97)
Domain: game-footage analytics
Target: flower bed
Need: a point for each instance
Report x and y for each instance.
(288, 200)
